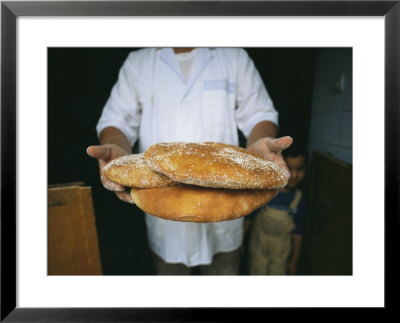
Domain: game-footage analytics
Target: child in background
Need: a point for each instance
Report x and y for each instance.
(276, 235)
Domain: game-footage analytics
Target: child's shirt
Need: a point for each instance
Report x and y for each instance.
(282, 202)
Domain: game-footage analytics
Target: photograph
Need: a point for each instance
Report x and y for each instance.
(106, 103)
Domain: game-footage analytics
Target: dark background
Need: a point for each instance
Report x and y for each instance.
(79, 83)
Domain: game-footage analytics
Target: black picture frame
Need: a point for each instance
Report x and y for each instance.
(10, 10)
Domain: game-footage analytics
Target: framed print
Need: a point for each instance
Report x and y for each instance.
(43, 43)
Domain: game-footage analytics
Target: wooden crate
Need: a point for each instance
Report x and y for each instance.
(72, 237)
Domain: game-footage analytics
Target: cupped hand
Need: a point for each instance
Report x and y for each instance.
(104, 154)
(271, 149)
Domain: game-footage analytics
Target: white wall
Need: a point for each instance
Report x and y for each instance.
(331, 110)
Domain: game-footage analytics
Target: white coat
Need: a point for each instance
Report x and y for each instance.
(152, 102)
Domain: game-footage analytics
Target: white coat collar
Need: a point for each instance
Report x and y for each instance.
(202, 58)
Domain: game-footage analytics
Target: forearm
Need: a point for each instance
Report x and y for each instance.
(111, 135)
(261, 130)
(297, 242)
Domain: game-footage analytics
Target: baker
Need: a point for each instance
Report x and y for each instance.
(188, 95)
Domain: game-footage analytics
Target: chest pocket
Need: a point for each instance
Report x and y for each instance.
(217, 93)
(218, 101)
(219, 84)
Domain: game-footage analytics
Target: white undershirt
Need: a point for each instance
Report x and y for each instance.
(185, 61)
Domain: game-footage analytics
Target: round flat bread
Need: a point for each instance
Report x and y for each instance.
(188, 203)
(132, 171)
(214, 165)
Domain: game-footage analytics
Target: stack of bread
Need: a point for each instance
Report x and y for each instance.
(197, 182)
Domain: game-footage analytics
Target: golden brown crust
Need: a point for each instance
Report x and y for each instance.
(190, 203)
(132, 171)
(214, 165)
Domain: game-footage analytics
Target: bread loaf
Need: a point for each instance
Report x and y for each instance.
(132, 171)
(197, 182)
(215, 165)
(189, 203)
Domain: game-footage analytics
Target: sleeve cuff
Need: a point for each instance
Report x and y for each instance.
(131, 135)
(246, 129)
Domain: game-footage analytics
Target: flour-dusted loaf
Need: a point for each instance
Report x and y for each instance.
(197, 182)
(132, 171)
(189, 203)
(215, 165)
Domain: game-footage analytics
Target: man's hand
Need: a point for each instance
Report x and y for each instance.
(271, 149)
(104, 154)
